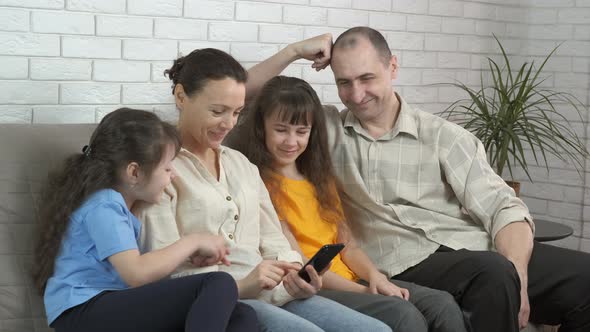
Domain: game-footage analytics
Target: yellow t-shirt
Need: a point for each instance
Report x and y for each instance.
(296, 204)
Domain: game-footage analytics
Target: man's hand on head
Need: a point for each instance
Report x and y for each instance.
(317, 49)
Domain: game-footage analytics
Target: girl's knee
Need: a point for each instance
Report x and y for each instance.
(222, 277)
(222, 281)
(245, 317)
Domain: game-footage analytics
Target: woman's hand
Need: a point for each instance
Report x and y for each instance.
(299, 288)
(380, 284)
(266, 275)
(211, 249)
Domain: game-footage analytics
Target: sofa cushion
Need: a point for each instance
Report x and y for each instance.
(27, 153)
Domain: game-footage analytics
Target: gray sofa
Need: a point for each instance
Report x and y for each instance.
(27, 152)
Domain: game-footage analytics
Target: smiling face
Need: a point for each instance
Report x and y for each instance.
(208, 115)
(284, 141)
(364, 80)
(151, 186)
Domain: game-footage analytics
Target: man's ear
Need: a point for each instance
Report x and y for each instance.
(132, 173)
(179, 96)
(393, 66)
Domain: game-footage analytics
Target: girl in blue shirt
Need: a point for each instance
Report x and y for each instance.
(86, 260)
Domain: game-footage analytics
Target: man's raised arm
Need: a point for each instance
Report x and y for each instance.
(316, 49)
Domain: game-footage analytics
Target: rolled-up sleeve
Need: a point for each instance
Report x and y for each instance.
(484, 195)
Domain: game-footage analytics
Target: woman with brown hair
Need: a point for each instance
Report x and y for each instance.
(219, 192)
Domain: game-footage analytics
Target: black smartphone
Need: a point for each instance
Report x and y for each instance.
(321, 259)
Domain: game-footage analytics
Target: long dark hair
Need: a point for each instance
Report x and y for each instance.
(201, 65)
(296, 103)
(123, 136)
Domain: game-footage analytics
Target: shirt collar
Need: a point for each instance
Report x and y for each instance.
(185, 152)
(406, 122)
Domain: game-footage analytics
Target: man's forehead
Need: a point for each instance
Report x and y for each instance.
(352, 56)
(345, 55)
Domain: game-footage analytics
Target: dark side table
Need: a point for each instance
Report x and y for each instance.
(551, 231)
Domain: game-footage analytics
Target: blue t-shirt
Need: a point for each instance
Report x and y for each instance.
(102, 226)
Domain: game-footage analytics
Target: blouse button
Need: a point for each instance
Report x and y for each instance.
(228, 198)
(236, 217)
(231, 236)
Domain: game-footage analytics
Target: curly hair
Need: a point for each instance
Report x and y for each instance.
(123, 136)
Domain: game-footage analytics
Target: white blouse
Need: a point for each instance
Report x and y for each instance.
(236, 207)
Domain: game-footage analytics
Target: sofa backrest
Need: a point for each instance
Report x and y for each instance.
(27, 153)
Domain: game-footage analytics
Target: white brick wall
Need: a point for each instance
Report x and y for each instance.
(280, 33)
(155, 7)
(121, 26)
(90, 93)
(76, 60)
(213, 10)
(63, 23)
(233, 31)
(28, 44)
(16, 114)
(140, 49)
(98, 6)
(61, 69)
(91, 47)
(64, 114)
(14, 20)
(147, 94)
(14, 68)
(121, 71)
(175, 28)
(259, 12)
(51, 4)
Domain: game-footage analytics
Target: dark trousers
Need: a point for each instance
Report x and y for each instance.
(487, 287)
(427, 309)
(202, 302)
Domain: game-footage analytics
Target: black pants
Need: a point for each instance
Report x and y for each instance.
(203, 302)
(487, 287)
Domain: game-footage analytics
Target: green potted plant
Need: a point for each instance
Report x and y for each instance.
(516, 113)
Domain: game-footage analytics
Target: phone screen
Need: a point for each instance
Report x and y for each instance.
(321, 259)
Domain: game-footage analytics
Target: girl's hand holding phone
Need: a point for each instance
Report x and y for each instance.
(299, 288)
(211, 250)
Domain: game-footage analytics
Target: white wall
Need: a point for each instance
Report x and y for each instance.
(75, 60)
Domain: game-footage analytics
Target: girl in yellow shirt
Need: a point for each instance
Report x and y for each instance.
(288, 142)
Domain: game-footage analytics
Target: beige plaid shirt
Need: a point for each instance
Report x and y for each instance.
(425, 183)
(236, 207)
